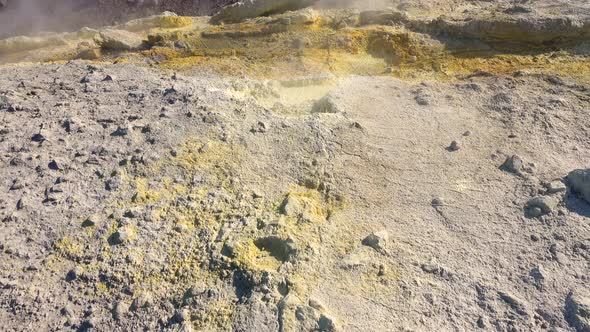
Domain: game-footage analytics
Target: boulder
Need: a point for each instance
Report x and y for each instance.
(245, 9)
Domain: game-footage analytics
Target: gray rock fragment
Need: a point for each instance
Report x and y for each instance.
(579, 181)
(555, 187)
(545, 203)
(455, 146)
(377, 240)
(517, 304)
(291, 206)
(513, 164)
(123, 235)
(326, 323)
(577, 310)
(143, 300)
(121, 309)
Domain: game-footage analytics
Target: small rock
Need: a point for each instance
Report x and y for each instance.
(7, 283)
(545, 203)
(377, 240)
(514, 302)
(455, 146)
(535, 212)
(327, 324)
(91, 221)
(422, 100)
(67, 311)
(75, 273)
(181, 44)
(108, 78)
(579, 180)
(182, 315)
(88, 324)
(123, 235)
(56, 165)
(513, 164)
(259, 127)
(432, 267)
(437, 201)
(577, 310)
(316, 304)
(121, 131)
(120, 310)
(113, 183)
(144, 300)
(382, 270)
(555, 187)
(481, 323)
(538, 275)
(17, 184)
(181, 228)
(291, 206)
(38, 138)
(72, 125)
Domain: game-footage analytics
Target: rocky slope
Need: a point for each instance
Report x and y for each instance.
(327, 169)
